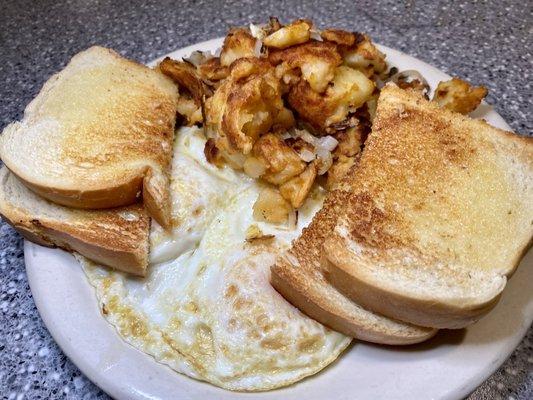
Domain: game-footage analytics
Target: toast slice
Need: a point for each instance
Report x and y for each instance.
(439, 215)
(118, 238)
(298, 276)
(98, 135)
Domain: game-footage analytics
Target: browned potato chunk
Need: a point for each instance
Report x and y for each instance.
(296, 33)
(270, 206)
(364, 56)
(295, 190)
(350, 142)
(213, 70)
(282, 162)
(245, 105)
(239, 43)
(254, 167)
(186, 76)
(459, 96)
(350, 90)
(338, 36)
(315, 60)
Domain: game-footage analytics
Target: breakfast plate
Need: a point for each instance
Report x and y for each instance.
(448, 366)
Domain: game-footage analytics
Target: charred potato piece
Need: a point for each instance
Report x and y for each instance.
(338, 36)
(349, 90)
(238, 43)
(296, 190)
(213, 70)
(282, 162)
(270, 206)
(185, 75)
(459, 96)
(315, 60)
(295, 33)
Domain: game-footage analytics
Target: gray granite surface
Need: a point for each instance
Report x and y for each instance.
(484, 42)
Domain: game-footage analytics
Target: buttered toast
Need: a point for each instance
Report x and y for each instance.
(297, 275)
(98, 135)
(439, 214)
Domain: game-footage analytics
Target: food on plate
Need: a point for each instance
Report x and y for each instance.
(458, 95)
(438, 216)
(98, 135)
(118, 237)
(298, 92)
(270, 160)
(206, 308)
(276, 99)
(297, 275)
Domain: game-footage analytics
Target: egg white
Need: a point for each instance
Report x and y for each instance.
(206, 308)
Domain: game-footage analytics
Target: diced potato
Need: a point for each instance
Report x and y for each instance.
(350, 142)
(316, 61)
(296, 190)
(239, 43)
(254, 167)
(296, 33)
(365, 57)
(270, 206)
(459, 96)
(245, 105)
(350, 89)
(282, 162)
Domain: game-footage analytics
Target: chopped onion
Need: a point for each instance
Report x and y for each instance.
(325, 162)
(286, 135)
(327, 142)
(305, 136)
(409, 76)
(292, 219)
(258, 31)
(257, 48)
(315, 34)
(198, 57)
(306, 155)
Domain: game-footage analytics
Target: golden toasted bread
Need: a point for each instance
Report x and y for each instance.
(117, 237)
(439, 214)
(98, 135)
(297, 275)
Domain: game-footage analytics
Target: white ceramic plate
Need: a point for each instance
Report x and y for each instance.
(449, 366)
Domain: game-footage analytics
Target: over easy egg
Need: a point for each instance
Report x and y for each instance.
(206, 308)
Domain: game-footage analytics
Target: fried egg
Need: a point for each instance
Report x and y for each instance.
(206, 307)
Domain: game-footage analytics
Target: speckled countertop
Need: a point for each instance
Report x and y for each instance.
(484, 42)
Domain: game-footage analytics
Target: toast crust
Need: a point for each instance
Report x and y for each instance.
(121, 194)
(303, 294)
(426, 312)
(439, 216)
(117, 238)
